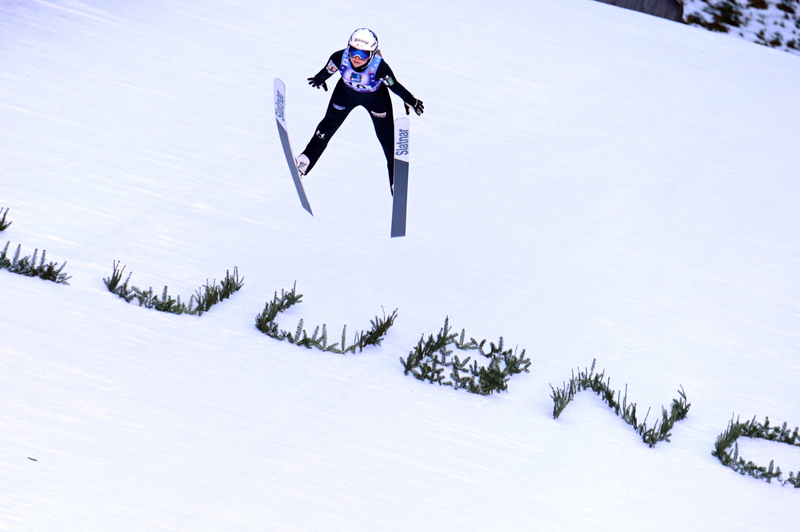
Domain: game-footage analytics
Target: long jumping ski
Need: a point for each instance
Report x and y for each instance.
(400, 199)
(280, 117)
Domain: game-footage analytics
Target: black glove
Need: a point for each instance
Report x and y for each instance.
(317, 84)
(417, 106)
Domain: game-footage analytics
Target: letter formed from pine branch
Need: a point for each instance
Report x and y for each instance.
(429, 360)
(202, 301)
(754, 429)
(265, 322)
(588, 379)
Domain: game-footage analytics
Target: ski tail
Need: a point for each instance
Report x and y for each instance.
(280, 118)
(400, 199)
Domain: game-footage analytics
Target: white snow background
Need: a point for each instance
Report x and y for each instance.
(587, 182)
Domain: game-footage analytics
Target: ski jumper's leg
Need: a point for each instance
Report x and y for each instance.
(380, 110)
(342, 102)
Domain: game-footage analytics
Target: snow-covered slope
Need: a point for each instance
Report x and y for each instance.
(586, 182)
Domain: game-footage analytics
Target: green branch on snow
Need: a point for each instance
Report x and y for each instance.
(201, 301)
(587, 379)
(754, 429)
(265, 322)
(27, 266)
(3, 223)
(429, 360)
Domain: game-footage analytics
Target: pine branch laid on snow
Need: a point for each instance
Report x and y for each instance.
(204, 298)
(3, 223)
(429, 360)
(586, 379)
(265, 322)
(27, 266)
(754, 429)
(209, 295)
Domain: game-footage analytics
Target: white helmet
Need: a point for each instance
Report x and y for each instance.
(364, 39)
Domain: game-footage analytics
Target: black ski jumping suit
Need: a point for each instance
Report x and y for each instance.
(349, 94)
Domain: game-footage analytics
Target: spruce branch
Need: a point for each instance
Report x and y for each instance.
(380, 326)
(27, 266)
(429, 360)
(209, 295)
(265, 322)
(753, 429)
(3, 223)
(4, 262)
(200, 302)
(112, 283)
(597, 382)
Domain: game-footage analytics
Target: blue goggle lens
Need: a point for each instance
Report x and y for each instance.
(361, 54)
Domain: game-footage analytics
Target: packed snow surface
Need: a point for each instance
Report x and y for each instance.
(586, 182)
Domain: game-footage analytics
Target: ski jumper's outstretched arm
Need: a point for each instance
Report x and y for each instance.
(386, 75)
(330, 69)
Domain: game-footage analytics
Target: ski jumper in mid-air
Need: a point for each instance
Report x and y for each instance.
(366, 80)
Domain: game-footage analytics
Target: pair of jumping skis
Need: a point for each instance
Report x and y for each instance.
(400, 197)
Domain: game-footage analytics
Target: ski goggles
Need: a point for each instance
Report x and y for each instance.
(360, 54)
